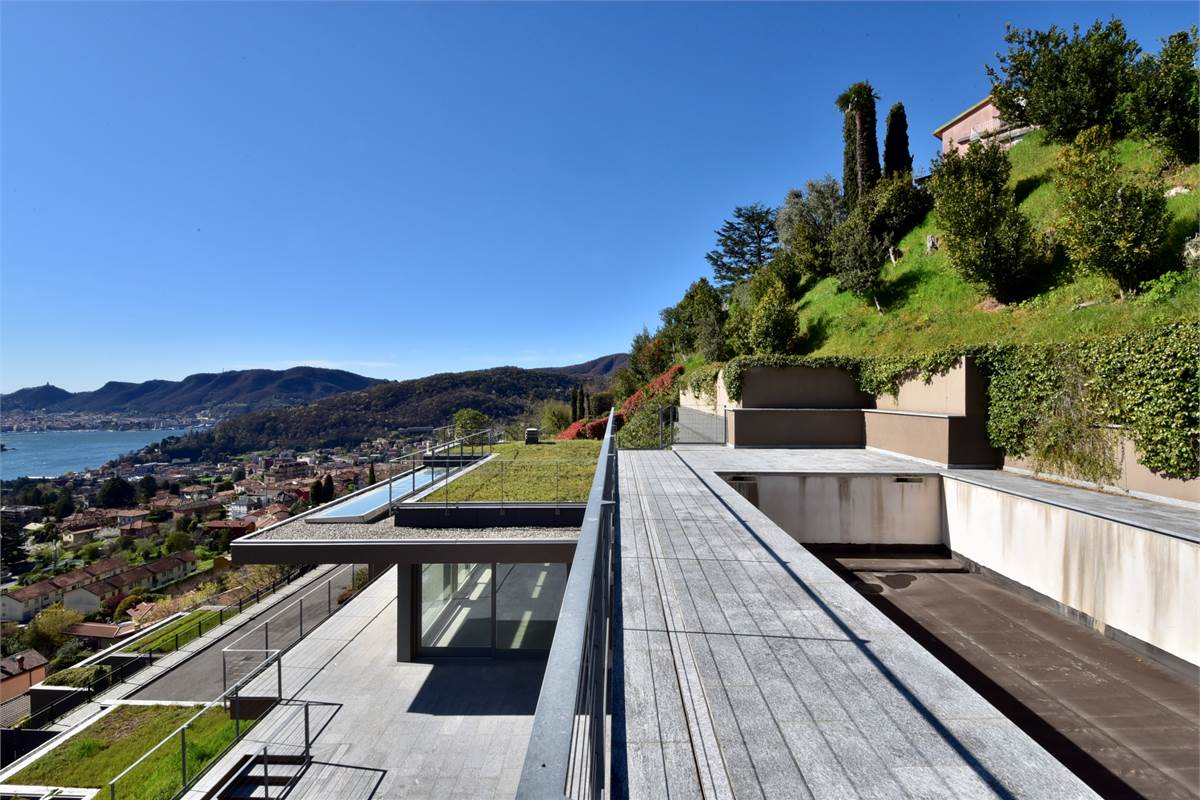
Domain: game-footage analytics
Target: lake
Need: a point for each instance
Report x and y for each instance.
(51, 453)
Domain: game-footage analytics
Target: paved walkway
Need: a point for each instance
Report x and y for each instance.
(746, 668)
(384, 729)
(166, 663)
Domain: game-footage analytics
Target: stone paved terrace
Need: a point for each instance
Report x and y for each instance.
(391, 729)
(746, 668)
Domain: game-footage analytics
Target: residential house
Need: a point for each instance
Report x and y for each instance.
(22, 604)
(100, 635)
(142, 529)
(173, 567)
(196, 491)
(289, 470)
(93, 597)
(980, 122)
(131, 580)
(197, 508)
(20, 671)
(106, 568)
(235, 527)
(78, 538)
(128, 516)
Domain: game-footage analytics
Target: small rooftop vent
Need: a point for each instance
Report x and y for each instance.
(531, 436)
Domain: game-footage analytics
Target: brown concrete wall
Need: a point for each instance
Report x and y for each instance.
(917, 435)
(801, 387)
(1134, 478)
(783, 427)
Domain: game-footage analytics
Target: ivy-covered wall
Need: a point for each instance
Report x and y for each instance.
(1060, 405)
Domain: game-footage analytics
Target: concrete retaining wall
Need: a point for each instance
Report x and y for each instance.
(801, 387)
(850, 509)
(795, 427)
(939, 438)
(1141, 583)
(1134, 478)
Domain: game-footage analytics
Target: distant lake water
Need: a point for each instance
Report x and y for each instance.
(47, 453)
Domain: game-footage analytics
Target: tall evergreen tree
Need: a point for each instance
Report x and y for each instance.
(327, 491)
(574, 403)
(896, 157)
(371, 475)
(315, 493)
(849, 161)
(859, 102)
(744, 245)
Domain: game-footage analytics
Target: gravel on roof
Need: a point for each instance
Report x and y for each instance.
(385, 530)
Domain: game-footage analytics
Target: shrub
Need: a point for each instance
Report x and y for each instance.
(987, 238)
(79, 677)
(572, 431)
(344, 595)
(72, 652)
(896, 206)
(1109, 225)
(858, 254)
(1166, 91)
(773, 324)
(1065, 84)
(737, 326)
(595, 429)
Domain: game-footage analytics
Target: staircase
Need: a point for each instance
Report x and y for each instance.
(262, 776)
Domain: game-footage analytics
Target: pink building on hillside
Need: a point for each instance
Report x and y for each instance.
(980, 121)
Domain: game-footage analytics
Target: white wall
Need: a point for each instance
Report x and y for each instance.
(853, 509)
(1143, 583)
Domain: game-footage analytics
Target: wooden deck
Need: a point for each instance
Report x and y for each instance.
(746, 668)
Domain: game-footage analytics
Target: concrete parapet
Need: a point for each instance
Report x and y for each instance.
(795, 427)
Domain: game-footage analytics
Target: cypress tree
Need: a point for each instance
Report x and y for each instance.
(896, 157)
(327, 490)
(574, 403)
(371, 475)
(858, 102)
(315, 493)
(849, 161)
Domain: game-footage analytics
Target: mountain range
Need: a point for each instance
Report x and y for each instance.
(227, 394)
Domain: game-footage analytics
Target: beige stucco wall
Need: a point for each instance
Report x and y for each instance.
(715, 403)
(800, 387)
(797, 427)
(1137, 581)
(1134, 478)
(960, 391)
(853, 509)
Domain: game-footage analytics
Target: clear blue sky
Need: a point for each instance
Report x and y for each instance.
(403, 189)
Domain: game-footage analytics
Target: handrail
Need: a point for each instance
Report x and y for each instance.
(568, 746)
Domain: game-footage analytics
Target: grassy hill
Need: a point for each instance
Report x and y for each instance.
(928, 306)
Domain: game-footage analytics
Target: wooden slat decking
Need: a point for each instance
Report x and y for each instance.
(745, 668)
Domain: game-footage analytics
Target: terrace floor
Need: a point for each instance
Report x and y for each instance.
(1131, 725)
(392, 729)
(747, 668)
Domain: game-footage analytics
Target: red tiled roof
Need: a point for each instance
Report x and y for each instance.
(102, 630)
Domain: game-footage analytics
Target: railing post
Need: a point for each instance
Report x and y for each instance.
(266, 776)
(237, 717)
(307, 744)
(279, 675)
(328, 597)
(301, 601)
(267, 635)
(183, 753)
(224, 673)
(176, 640)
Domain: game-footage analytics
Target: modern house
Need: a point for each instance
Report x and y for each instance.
(980, 122)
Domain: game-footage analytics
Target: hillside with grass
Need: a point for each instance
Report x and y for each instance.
(927, 305)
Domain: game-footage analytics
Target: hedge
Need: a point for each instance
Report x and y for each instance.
(1048, 401)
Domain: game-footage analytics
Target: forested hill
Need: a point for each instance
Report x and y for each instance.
(348, 419)
(223, 393)
(603, 367)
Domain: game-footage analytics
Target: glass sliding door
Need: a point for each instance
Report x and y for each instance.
(527, 600)
(488, 609)
(456, 608)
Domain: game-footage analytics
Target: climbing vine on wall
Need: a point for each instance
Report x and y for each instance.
(1057, 403)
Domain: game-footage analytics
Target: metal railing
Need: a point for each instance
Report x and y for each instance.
(471, 446)
(683, 425)
(322, 603)
(568, 753)
(211, 726)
